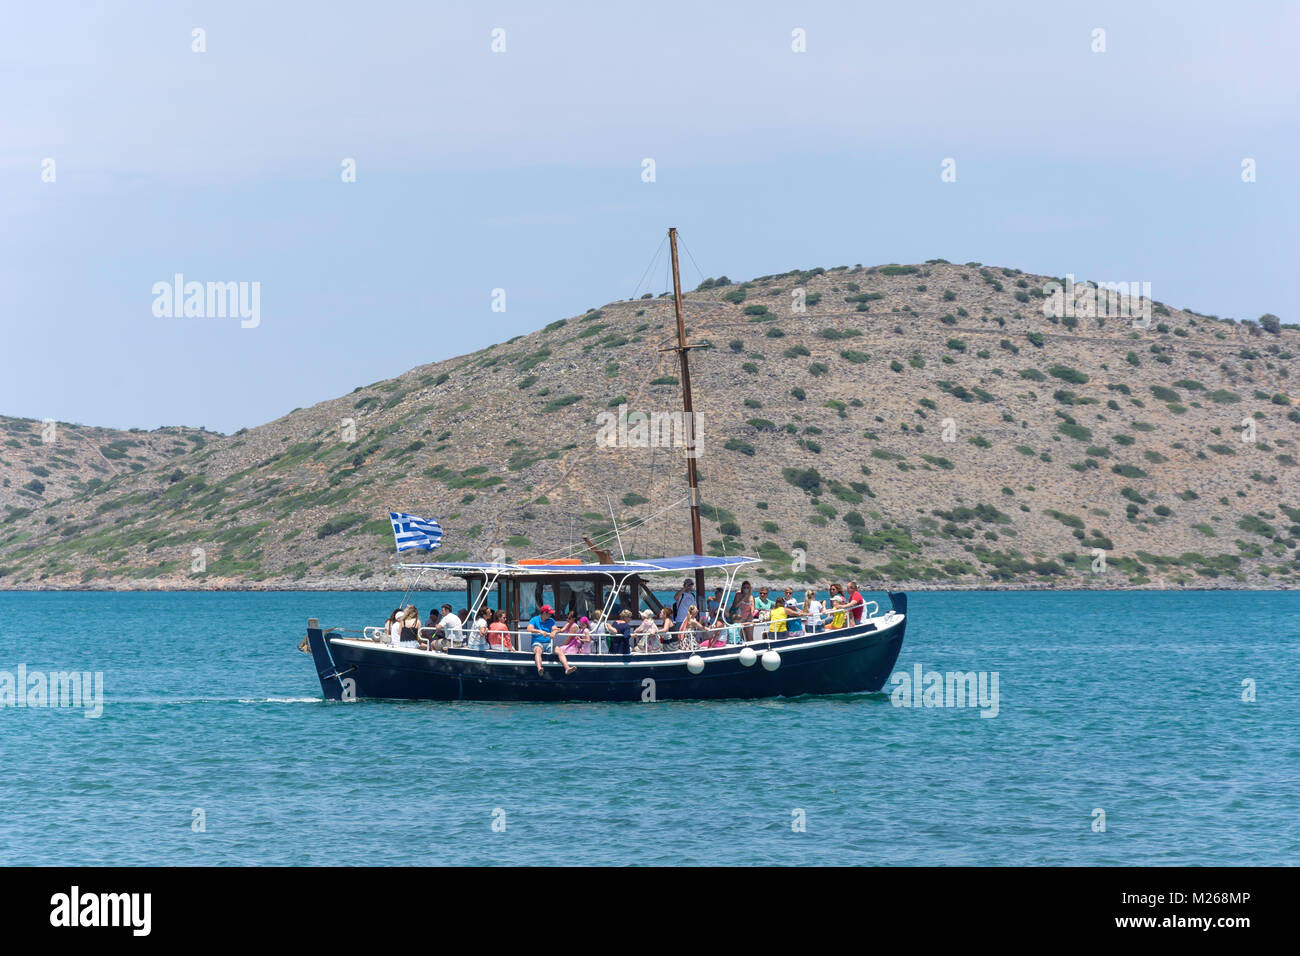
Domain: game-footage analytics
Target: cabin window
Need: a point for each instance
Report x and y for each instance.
(542, 593)
(495, 596)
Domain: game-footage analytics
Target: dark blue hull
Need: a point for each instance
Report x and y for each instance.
(849, 660)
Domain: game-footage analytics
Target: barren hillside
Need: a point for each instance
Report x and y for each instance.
(915, 425)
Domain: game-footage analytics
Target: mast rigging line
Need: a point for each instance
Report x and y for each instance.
(609, 535)
(692, 258)
(653, 260)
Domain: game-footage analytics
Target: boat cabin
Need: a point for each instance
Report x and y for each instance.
(522, 588)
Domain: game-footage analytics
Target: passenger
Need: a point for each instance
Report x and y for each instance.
(742, 611)
(682, 600)
(646, 635)
(763, 611)
(393, 627)
(715, 635)
(599, 634)
(713, 607)
(498, 635)
(813, 613)
(567, 629)
(693, 630)
(450, 628)
(410, 633)
(777, 619)
(857, 604)
(668, 636)
(474, 639)
(620, 642)
(579, 638)
(793, 612)
(832, 592)
(540, 627)
(839, 615)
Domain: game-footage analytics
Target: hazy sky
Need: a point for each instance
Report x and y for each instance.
(523, 170)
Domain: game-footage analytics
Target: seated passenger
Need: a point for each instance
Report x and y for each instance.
(498, 635)
(646, 635)
(410, 633)
(393, 627)
(669, 638)
(693, 631)
(839, 613)
(715, 635)
(540, 627)
(567, 629)
(579, 641)
(449, 629)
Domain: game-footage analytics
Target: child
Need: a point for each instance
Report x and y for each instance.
(839, 614)
(814, 613)
(579, 637)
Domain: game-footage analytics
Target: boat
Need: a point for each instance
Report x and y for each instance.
(354, 664)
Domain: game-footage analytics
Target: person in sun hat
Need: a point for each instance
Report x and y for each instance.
(646, 635)
(839, 614)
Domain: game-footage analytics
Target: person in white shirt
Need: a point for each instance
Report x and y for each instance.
(599, 630)
(473, 631)
(393, 627)
(449, 628)
(813, 613)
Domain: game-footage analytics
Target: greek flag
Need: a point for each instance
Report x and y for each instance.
(410, 531)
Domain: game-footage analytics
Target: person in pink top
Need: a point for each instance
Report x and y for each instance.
(856, 603)
(580, 638)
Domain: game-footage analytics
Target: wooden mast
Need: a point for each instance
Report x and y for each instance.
(697, 537)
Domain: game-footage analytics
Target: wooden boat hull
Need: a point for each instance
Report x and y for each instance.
(848, 660)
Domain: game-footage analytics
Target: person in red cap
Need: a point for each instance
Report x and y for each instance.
(540, 626)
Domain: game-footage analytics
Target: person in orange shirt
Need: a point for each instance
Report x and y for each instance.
(498, 635)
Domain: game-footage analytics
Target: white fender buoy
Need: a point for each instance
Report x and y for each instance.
(771, 660)
(695, 664)
(747, 656)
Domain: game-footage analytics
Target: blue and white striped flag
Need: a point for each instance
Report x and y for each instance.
(410, 531)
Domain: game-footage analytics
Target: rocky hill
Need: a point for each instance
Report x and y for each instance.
(917, 425)
(44, 461)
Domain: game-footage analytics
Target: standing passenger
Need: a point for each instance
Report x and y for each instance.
(762, 610)
(620, 641)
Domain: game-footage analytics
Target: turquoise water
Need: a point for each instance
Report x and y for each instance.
(1125, 702)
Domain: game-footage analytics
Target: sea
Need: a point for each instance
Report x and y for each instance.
(1127, 728)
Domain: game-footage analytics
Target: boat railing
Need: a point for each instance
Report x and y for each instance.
(726, 632)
